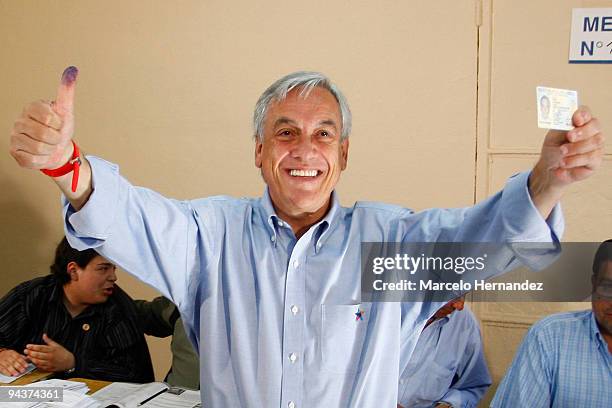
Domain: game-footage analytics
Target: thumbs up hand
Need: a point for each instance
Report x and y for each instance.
(41, 137)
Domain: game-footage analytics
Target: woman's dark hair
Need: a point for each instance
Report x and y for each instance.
(64, 254)
(603, 254)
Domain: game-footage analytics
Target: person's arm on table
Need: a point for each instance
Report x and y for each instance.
(12, 363)
(13, 320)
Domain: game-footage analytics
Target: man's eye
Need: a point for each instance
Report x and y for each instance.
(324, 133)
(285, 133)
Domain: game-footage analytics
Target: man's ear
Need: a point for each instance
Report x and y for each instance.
(258, 151)
(344, 147)
(72, 270)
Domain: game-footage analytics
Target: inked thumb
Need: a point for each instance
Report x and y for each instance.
(64, 101)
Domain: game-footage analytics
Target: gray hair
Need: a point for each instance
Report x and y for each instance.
(305, 81)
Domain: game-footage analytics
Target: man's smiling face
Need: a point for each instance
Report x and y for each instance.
(301, 156)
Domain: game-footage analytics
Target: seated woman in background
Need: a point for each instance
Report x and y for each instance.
(75, 322)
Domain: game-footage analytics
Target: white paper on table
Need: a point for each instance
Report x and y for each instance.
(76, 386)
(187, 399)
(126, 394)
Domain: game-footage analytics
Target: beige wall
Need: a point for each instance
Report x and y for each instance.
(522, 45)
(166, 90)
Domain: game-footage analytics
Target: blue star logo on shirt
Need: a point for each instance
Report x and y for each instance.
(359, 315)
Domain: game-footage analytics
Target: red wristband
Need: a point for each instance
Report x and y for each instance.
(74, 165)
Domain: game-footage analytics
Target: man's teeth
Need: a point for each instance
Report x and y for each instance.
(303, 173)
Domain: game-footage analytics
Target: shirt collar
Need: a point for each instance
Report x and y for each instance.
(269, 215)
(322, 227)
(596, 334)
(328, 222)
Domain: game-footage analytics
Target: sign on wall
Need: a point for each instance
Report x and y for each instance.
(591, 38)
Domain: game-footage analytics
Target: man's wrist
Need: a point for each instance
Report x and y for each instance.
(71, 364)
(73, 166)
(66, 156)
(541, 185)
(544, 194)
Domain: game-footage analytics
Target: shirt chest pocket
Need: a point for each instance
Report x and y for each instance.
(343, 332)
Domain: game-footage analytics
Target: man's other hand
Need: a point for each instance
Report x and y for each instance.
(566, 157)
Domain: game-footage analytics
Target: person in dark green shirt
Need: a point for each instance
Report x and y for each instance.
(160, 318)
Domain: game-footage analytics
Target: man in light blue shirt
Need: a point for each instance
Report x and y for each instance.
(447, 367)
(565, 359)
(270, 288)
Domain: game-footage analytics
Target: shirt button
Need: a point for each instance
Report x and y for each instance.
(292, 357)
(291, 404)
(294, 309)
(281, 224)
(296, 264)
(272, 238)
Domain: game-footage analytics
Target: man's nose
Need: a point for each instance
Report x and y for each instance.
(304, 148)
(113, 275)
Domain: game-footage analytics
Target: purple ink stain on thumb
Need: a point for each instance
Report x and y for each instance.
(70, 75)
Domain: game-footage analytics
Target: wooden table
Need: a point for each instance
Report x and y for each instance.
(29, 378)
(37, 375)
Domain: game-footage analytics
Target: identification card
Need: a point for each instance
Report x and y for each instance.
(556, 107)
